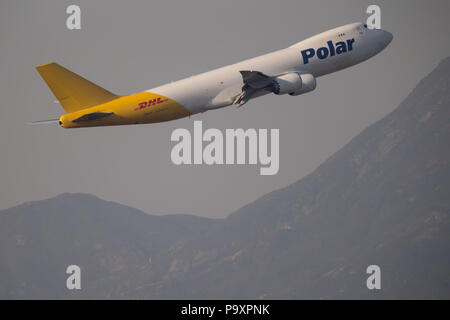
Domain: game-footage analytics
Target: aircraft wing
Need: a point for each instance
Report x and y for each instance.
(254, 82)
(256, 79)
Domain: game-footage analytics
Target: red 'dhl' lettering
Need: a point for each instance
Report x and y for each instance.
(146, 104)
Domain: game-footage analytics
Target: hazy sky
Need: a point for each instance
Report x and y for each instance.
(130, 46)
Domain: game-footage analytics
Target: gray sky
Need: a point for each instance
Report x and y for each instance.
(134, 45)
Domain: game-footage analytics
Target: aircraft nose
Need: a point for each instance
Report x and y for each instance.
(386, 38)
(389, 36)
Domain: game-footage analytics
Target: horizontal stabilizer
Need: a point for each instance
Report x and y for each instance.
(93, 116)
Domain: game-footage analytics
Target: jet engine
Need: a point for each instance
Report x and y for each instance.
(294, 83)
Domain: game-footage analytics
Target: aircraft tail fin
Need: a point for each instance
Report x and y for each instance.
(73, 91)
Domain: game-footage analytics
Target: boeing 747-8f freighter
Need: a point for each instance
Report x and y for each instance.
(292, 71)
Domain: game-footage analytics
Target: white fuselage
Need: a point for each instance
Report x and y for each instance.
(318, 55)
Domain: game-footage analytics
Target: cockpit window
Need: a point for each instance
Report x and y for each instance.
(360, 29)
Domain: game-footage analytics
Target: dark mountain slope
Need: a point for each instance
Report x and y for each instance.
(112, 243)
(382, 199)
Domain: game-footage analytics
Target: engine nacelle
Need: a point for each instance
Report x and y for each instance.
(308, 84)
(294, 83)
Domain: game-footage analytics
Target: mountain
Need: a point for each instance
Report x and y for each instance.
(113, 244)
(383, 199)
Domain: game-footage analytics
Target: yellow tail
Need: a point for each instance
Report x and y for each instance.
(72, 91)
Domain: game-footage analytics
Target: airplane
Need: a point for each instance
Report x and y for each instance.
(291, 71)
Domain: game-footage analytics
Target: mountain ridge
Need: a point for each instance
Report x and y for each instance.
(368, 181)
(382, 199)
